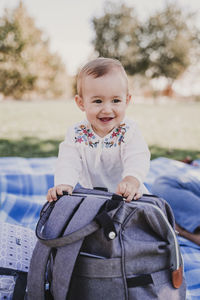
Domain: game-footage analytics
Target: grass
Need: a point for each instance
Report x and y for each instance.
(35, 129)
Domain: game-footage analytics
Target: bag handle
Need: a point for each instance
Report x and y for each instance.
(67, 239)
(102, 220)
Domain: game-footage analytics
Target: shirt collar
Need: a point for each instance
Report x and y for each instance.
(89, 126)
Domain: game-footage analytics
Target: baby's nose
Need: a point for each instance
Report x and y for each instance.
(107, 108)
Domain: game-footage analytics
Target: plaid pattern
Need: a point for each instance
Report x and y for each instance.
(191, 257)
(24, 184)
(23, 187)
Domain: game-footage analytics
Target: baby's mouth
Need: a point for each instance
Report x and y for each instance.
(106, 119)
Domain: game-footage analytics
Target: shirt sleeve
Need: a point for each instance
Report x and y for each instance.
(69, 164)
(135, 155)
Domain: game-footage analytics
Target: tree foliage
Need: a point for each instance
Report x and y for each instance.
(116, 35)
(27, 67)
(166, 43)
(160, 46)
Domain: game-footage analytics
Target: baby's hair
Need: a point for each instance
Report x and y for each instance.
(97, 68)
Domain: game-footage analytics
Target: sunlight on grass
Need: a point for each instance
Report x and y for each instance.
(170, 125)
(167, 127)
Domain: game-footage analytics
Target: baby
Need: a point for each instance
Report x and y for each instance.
(106, 149)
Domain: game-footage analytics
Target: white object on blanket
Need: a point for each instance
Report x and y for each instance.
(16, 247)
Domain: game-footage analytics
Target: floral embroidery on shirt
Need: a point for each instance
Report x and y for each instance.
(85, 135)
(116, 137)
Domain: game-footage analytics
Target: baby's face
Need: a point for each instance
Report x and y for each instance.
(105, 100)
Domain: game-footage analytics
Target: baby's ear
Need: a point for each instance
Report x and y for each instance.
(79, 102)
(128, 98)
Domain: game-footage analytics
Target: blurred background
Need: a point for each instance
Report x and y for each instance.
(44, 43)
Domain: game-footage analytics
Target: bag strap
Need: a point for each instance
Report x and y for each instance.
(51, 224)
(69, 238)
(20, 286)
(66, 256)
(41, 253)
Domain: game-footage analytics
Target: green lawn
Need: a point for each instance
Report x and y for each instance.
(34, 129)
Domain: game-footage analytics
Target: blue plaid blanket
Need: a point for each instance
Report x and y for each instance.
(24, 184)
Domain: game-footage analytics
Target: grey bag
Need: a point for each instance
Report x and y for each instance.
(93, 245)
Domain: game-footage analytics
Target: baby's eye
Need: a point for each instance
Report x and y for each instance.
(116, 100)
(97, 101)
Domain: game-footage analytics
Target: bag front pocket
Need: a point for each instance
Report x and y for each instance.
(97, 278)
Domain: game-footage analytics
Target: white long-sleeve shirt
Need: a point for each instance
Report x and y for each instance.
(93, 161)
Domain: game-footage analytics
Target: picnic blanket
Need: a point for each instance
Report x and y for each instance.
(24, 183)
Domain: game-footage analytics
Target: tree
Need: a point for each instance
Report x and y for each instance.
(27, 67)
(161, 46)
(15, 78)
(116, 35)
(166, 42)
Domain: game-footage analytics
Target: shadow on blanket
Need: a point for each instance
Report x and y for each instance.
(24, 184)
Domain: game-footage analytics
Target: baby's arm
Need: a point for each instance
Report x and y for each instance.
(58, 190)
(135, 160)
(68, 167)
(128, 188)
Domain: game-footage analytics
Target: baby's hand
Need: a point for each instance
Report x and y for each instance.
(58, 190)
(128, 188)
